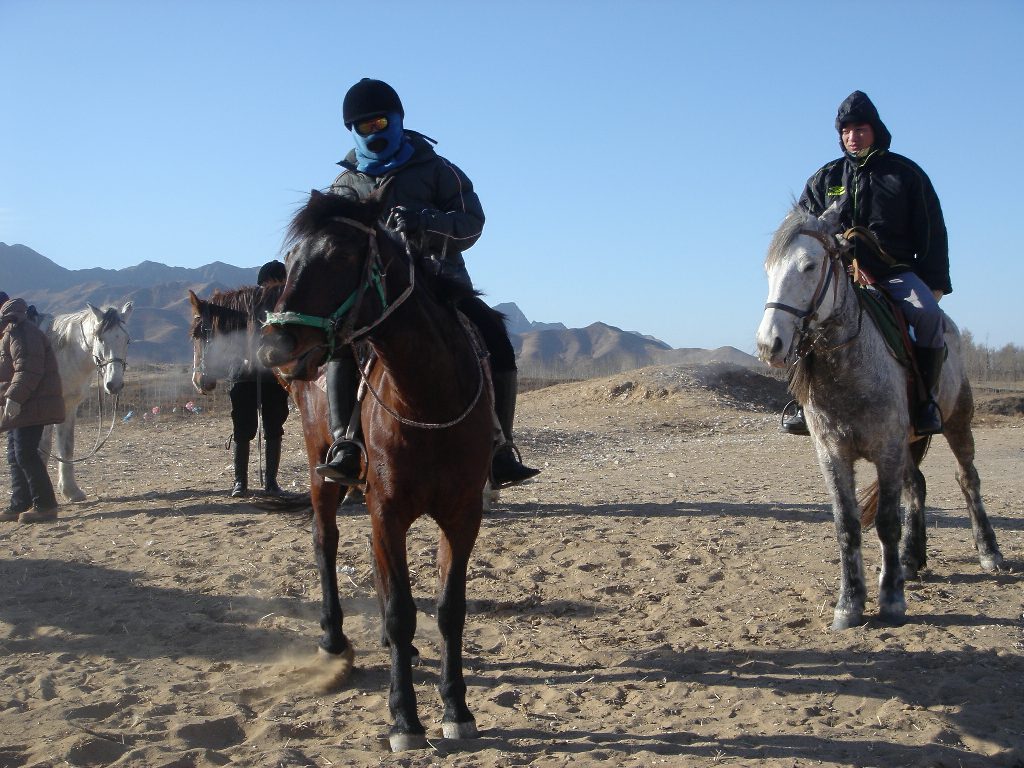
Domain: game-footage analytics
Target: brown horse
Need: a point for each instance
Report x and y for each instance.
(427, 424)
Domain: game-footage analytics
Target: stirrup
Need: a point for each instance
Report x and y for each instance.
(793, 421)
(332, 470)
(517, 472)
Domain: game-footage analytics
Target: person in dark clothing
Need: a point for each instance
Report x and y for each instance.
(432, 202)
(30, 390)
(893, 198)
(254, 392)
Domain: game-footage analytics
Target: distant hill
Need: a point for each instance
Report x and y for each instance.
(162, 316)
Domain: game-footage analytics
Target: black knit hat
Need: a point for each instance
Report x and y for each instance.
(272, 271)
(368, 98)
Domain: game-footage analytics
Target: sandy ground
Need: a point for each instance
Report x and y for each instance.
(661, 595)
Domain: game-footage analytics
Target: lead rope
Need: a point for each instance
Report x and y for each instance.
(100, 441)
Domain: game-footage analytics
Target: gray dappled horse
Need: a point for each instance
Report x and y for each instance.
(855, 398)
(89, 342)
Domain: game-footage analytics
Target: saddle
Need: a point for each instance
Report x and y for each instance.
(890, 322)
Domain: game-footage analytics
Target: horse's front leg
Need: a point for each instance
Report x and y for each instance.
(838, 473)
(399, 617)
(65, 441)
(325, 549)
(892, 604)
(453, 562)
(913, 547)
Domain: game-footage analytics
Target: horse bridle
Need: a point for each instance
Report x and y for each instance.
(100, 362)
(833, 270)
(341, 322)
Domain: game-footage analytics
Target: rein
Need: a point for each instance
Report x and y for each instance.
(364, 375)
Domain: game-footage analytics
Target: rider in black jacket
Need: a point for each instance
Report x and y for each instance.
(433, 202)
(893, 198)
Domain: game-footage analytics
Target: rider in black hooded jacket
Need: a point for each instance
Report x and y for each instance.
(893, 198)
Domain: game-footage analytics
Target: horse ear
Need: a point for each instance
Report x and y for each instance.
(96, 312)
(126, 310)
(830, 218)
(196, 303)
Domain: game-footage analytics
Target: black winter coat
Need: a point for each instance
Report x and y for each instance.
(426, 181)
(891, 196)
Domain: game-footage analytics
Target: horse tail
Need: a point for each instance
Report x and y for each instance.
(867, 499)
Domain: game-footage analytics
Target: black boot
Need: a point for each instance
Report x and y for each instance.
(506, 467)
(928, 417)
(241, 458)
(273, 462)
(343, 458)
(793, 420)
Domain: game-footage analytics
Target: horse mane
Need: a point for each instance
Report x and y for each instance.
(795, 220)
(64, 325)
(320, 213)
(238, 308)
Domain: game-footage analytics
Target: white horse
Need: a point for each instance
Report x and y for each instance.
(90, 341)
(854, 394)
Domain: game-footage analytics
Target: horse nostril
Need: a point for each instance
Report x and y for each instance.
(777, 346)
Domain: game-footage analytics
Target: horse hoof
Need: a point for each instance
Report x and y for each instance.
(910, 572)
(893, 615)
(466, 730)
(75, 496)
(337, 668)
(991, 563)
(404, 742)
(843, 620)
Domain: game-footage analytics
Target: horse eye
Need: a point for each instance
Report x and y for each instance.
(808, 267)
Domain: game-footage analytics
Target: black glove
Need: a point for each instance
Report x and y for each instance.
(407, 221)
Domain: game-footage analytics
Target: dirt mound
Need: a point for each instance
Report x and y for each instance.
(1003, 406)
(724, 384)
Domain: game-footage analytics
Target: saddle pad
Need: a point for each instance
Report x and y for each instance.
(889, 321)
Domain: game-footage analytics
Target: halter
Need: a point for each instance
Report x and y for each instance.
(99, 361)
(340, 322)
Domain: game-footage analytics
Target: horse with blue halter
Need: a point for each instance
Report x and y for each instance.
(89, 343)
(855, 396)
(427, 421)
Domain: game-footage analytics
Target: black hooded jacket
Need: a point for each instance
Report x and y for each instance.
(890, 195)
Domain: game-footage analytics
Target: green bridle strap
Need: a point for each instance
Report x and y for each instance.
(330, 324)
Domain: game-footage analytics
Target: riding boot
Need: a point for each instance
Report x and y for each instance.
(241, 459)
(273, 462)
(506, 466)
(927, 416)
(343, 458)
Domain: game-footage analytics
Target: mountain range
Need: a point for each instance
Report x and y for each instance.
(162, 314)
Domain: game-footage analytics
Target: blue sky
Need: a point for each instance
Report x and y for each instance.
(633, 158)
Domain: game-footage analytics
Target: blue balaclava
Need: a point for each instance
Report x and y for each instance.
(385, 150)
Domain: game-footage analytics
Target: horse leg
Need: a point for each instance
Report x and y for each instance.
(325, 549)
(957, 430)
(913, 553)
(838, 473)
(66, 450)
(892, 605)
(399, 616)
(453, 562)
